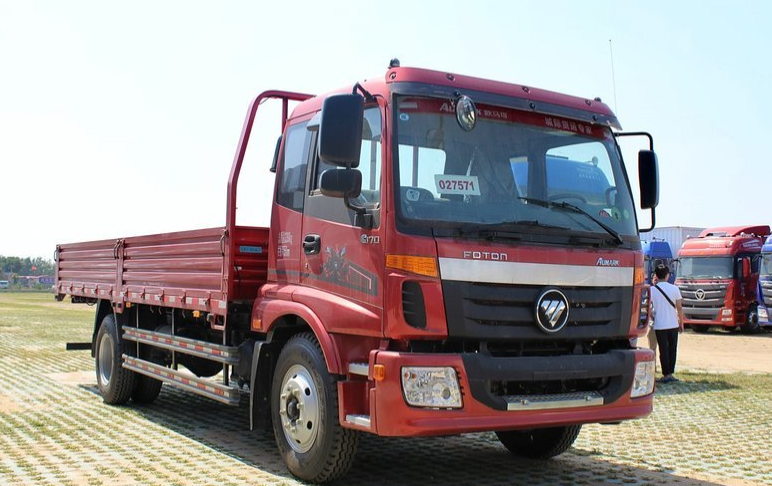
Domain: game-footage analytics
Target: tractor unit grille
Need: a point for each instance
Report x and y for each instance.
(702, 301)
(766, 291)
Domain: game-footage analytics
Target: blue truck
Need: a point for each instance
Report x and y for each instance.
(765, 285)
(655, 253)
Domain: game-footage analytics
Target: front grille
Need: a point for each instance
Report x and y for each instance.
(766, 292)
(707, 307)
(551, 387)
(497, 311)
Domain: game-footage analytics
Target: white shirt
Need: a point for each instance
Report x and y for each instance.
(665, 315)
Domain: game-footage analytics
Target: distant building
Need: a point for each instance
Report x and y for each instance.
(32, 280)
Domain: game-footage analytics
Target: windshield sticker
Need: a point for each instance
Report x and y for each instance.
(457, 184)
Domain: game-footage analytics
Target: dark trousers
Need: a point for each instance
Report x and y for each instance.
(668, 344)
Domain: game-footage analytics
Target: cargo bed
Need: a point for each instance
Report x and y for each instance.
(199, 270)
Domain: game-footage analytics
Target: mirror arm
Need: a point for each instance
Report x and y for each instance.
(369, 98)
(362, 217)
(653, 223)
(637, 134)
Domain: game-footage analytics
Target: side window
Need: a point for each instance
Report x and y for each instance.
(369, 159)
(292, 185)
(370, 156)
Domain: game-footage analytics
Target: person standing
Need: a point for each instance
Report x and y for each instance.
(668, 321)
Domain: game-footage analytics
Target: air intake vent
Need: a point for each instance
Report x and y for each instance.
(413, 304)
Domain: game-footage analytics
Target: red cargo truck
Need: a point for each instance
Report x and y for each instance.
(409, 284)
(717, 274)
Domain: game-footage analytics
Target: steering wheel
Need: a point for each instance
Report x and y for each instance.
(567, 195)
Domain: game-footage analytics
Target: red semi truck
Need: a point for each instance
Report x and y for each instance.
(718, 272)
(410, 284)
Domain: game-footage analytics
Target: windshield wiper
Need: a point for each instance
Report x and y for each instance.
(574, 209)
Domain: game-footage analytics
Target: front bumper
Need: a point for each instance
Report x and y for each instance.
(485, 410)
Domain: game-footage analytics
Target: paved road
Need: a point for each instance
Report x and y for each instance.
(55, 430)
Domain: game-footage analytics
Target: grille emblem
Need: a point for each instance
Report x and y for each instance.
(700, 294)
(552, 310)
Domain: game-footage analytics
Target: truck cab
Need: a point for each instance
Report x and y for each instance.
(765, 284)
(658, 253)
(718, 275)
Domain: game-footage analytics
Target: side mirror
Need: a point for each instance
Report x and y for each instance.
(746, 267)
(343, 183)
(648, 176)
(340, 130)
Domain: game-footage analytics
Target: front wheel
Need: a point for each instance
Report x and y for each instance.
(304, 411)
(539, 443)
(751, 325)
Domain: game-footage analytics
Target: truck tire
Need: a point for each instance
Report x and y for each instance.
(116, 383)
(539, 443)
(147, 389)
(304, 412)
(751, 325)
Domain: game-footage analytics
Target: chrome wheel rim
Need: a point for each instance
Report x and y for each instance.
(299, 408)
(105, 359)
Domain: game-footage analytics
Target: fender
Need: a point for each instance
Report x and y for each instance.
(268, 311)
(103, 308)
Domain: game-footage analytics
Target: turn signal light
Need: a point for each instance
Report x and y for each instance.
(379, 372)
(639, 277)
(414, 264)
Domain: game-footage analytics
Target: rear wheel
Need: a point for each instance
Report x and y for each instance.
(116, 383)
(751, 325)
(304, 411)
(147, 389)
(539, 443)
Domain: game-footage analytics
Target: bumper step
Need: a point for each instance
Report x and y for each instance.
(546, 402)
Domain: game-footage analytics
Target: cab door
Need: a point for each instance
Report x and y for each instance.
(287, 215)
(342, 259)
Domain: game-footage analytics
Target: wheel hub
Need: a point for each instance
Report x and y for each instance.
(299, 408)
(105, 359)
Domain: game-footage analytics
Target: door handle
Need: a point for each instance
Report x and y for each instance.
(312, 244)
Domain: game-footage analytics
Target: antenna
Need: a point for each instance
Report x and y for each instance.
(613, 77)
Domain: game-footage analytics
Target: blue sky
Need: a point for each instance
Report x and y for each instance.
(121, 119)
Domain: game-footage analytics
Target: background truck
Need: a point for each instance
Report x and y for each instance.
(765, 285)
(718, 274)
(412, 281)
(656, 253)
(673, 235)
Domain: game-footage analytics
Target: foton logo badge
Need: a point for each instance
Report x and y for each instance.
(602, 262)
(486, 255)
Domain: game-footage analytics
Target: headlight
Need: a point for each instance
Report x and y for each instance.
(643, 383)
(431, 387)
(726, 312)
(763, 314)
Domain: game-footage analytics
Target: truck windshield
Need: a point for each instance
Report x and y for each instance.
(705, 267)
(766, 265)
(501, 173)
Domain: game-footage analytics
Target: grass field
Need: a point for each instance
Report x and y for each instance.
(55, 429)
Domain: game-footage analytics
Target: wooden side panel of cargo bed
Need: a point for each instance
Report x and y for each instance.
(187, 270)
